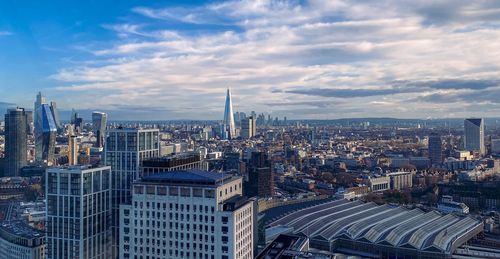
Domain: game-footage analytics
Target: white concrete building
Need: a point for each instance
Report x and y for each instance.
(78, 212)
(447, 205)
(20, 241)
(188, 214)
(401, 180)
(379, 184)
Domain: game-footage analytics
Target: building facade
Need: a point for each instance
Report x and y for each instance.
(248, 127)
(78, 212)
(401, 180)
(188, 214)
(474, 135)
(16, 145)
(260, 176)
(125, 149)
(20, 241)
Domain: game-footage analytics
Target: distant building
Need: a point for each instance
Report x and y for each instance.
(447, 205)
(474, 135)
(45, 131)
(435, 149)
(379, 184)
(99, 120)
(78, 212)
(401, 180)
(260, 176)
(188, 214)
(72, 147)
(287, 246)
(495, 146)
(248, 127)
(232, 161)
(229, 125)
(125, 150)
(16, 145)
(55, 115)
(20, 241)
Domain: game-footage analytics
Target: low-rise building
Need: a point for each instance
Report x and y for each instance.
(20, 241)
(447, 205)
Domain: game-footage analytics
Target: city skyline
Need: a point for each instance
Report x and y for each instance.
(302, 59)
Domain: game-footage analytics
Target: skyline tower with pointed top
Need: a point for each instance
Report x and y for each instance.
(228, 116)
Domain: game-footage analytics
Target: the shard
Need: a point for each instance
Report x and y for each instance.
(228, 117)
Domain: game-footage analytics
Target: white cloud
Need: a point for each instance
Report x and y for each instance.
(259, 47)
(5, 33)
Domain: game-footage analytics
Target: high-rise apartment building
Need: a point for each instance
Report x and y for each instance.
(248, 127)
(78, 212)
(260, 177)
(229, 125)
(474, 135)
(99, 120)
(16, 134)
(435, 149)
(45, 131)
(125, 149)
(188, 214)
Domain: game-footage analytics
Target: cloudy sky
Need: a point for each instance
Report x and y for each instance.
(321, 59)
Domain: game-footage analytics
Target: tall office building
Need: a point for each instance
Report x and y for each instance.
(99, 120)
(78, 212)
(248, 127)
(435, 148)
(188, 214)
(45, 131)
(474, 135)
(125, 149)
(260, 176)
(55, 115)
(72, 146)
(16, 145)
(228, 117)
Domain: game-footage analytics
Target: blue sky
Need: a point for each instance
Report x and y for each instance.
(301, 59)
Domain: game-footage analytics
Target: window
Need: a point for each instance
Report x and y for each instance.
(138, 189)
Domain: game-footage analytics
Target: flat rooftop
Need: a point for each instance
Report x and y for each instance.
(191, 176)
(20, 229)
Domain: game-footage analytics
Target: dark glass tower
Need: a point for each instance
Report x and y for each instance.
(435, 150)
(16, 132)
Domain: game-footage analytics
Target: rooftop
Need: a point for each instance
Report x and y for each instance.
(20, 229)
(191, 176)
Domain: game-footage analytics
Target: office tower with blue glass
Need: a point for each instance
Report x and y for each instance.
(99, 120)
(125, 149)
(78, 212)
(45, 131)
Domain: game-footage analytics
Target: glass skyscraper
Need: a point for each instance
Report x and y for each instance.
(229, 117)
(16, 132)
(474, 135)
(99, 120)
(125, 149)
(45, 131)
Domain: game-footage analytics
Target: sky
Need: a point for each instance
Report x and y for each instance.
(309, 59)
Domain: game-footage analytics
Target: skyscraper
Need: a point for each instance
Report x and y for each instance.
(72, 146)
(125, 149)
(55, 115)
(248, 127)
(99, 120)
(16, 133)
(228, 116)
(188, 214)
(78, 212)
(435, 150)
(45, 131)
(260, 177)
(474, 135)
